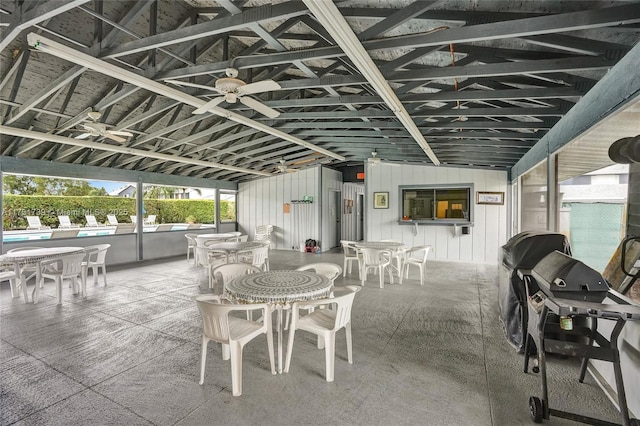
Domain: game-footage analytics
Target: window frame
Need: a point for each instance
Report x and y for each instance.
(434, 220)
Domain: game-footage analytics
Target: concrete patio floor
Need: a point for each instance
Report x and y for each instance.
(129, 354)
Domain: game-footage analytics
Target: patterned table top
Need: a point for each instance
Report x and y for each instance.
(278, 287)
(36, 255)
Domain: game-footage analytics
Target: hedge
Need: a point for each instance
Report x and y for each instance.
(48, 208)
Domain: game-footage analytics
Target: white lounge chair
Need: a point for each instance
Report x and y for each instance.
(65, 223)
(34, 223)
(113, 220)
(92, 222)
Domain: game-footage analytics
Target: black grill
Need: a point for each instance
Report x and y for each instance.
(564, 277)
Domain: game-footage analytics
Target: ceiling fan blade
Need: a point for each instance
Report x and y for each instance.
(120, 133)
(258, 87)
(114, 137)
(213, 102)
(83, 136)
(259, 106)
(186, 84)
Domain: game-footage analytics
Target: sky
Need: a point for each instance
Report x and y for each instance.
(108, 186)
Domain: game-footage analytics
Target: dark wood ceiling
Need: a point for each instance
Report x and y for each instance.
(482, 81)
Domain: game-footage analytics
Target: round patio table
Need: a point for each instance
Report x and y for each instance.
(234, 247)
(22, 258)
(202, 238)
(279, 288)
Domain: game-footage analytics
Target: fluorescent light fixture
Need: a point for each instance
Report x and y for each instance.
(330, 17)
(43, 44)
(4, 130)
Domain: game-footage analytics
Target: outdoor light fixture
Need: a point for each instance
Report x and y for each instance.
(43, 44)
(29, 134)
(330, 17)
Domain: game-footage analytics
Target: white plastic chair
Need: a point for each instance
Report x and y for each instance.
(243, 238)
(233, 333)
(34, 223)
(260, 258)
(209, 259)
(96, 257)
(351, 254)
(397, 254)
(8, 273)
(376, 258)
(113, 220)
(92, 222)
(223, 274)
(61, 268)
(28, 269)
(329, 270)
(191, 246)
(325, 323)
(263, 232)
(415, 256)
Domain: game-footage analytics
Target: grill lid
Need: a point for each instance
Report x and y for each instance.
(564, 277)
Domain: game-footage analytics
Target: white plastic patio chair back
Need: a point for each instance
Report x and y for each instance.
(243, 238)
(34, 223)
(8, 273)
(209, 259)
(191, 246)
(325, 323)
(29, 270)
(113, 220)
(397, 254)
(96, 259)
(378, 259)
(416, 256)
(329, 270)
(92, 221)
(263, 232)
(60, 269)
(223, 274)
(260, 258)
(351, 255)
(233, 333)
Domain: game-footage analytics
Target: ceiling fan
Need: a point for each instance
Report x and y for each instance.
(233, 89)
(375, 160)
(282, 167)
(96, 129)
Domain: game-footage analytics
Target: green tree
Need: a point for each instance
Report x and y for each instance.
(20, 185)
(31, 185)
(154, 192)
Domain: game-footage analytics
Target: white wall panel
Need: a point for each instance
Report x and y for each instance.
(481, 245)
(261, 202)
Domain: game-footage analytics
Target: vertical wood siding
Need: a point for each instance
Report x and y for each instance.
(481, 245)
